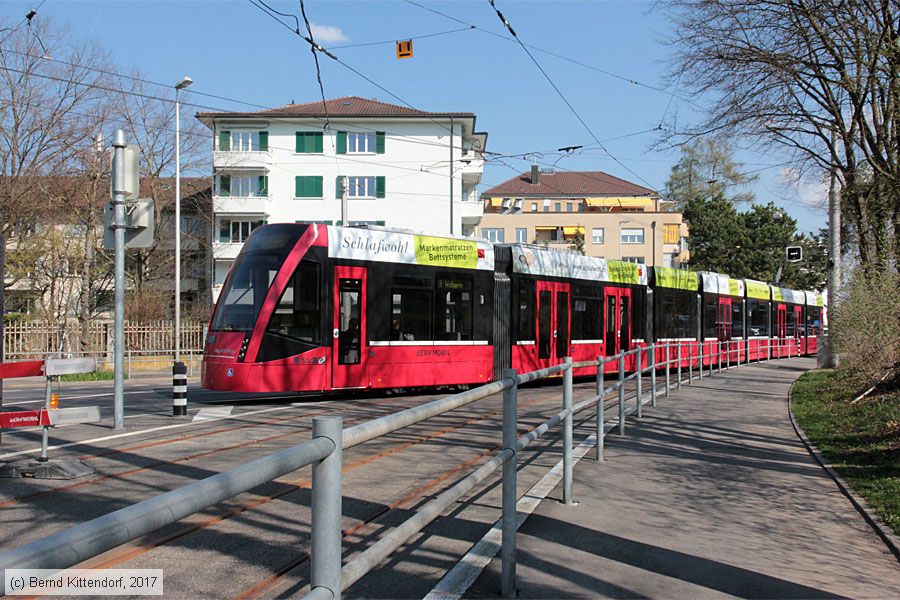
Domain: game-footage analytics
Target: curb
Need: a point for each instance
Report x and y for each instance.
(891, 540)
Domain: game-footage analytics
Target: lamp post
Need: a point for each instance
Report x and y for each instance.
(185, 82)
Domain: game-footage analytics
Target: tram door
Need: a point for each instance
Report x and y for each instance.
(781, 326)
(799, 328)
(350, 353)
(724, 320)
(617, 315)
(552, 323)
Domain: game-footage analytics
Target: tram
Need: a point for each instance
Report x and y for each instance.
(316, 308)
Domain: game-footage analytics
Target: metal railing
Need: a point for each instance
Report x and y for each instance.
(324, 452)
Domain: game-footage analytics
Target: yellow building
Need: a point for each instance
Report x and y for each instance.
(613, 218)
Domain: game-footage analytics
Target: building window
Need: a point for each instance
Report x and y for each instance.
(361, 187)
(558, 207)
(597, 235)
(243, 187)
(308, 186)
(493, 234)
(237, 232)
(670, 233)
(243, 141)
(632, 236)
(360, 143)
(669, 260)
(546, 206)
(634, 259)
(522, 235)
(534, 207)
(308, 142)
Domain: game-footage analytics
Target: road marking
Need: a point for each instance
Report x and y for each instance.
(461, 577)
(212, 412)
(143, 431)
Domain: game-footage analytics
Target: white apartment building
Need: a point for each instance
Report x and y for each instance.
(401, 167)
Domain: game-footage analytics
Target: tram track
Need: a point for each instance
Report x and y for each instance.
(118, 556)
(183, 438)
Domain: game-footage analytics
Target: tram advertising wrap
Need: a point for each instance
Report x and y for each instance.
(316, 308)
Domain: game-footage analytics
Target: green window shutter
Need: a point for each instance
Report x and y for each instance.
(379, 142)
(316, 186)
(263, 185)
(299, 142)
(224, 185)
(308, 186)
(318, 145)
(379, 186)
(224, 141)
(299, 186)
(342, 142)
(337, 187)
(263, 141)
(224, 231)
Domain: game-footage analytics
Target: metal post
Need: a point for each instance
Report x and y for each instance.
(720, 356)
(653, 375)
(700, 371)
(177, 332)
(344, 209)
(179, 389)
(668, 365)
(325, 570)
(690, 364)
(509, 494)
(567, 433)
(119, 268)
(638, 411)
(45, 430)
(600, 416)
(678, 364)
(622, 394)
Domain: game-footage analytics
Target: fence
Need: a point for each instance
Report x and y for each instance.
(28, 339)
(324, 452)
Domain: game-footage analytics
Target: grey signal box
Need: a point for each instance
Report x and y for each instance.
(140, 220)
(794, 253)
(132, 172)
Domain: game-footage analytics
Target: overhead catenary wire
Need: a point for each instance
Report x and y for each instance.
(410, 37)
(561, 95)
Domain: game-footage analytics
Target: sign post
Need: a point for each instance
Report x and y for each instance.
(118, 203)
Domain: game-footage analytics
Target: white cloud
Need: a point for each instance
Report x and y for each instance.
(811, 192)
(328, 34)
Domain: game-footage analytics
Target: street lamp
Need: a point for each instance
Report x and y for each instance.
(185, 82)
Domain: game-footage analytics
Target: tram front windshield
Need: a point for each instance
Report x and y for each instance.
(251, 276)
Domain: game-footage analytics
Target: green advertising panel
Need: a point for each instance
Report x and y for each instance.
(621, 271)
(678, 279)
(757, 289)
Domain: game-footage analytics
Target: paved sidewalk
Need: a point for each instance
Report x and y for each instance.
(712, 495)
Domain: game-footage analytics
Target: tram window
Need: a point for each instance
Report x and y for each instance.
(562, 324)
(544, 325)
(757, 318)
(526, 311)
(297, 314)
(624, 329)
(813, 320)
(710, 317)
(453, 307)
(791, 322)
(410, 314)
(587, 313)
(349, 322)
(737, 319)
(638, 316)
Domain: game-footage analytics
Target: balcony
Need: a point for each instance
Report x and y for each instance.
(226, 250)
(473, 168)
(241, 205)
(236, 159)
(470, 211)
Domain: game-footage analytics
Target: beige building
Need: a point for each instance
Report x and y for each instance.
(611, 217)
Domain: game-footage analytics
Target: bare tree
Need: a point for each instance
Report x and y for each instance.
(820, 79)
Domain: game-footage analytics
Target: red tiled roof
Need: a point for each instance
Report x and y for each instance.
(348, 106)
(568, 183)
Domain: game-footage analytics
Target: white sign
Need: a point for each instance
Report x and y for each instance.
(409, 248)
(534, 261)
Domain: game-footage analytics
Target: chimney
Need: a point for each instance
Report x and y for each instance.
(535, 175)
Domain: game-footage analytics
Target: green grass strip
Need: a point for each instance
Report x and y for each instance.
(95, 376)
(862, 441)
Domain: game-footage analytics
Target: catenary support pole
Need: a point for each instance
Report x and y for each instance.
(567, 433)
(325, 569)
(119, 278)
(509, 494)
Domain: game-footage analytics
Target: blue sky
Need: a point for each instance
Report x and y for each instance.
(232, 49)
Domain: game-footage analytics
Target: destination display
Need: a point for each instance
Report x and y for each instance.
(409, 248)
